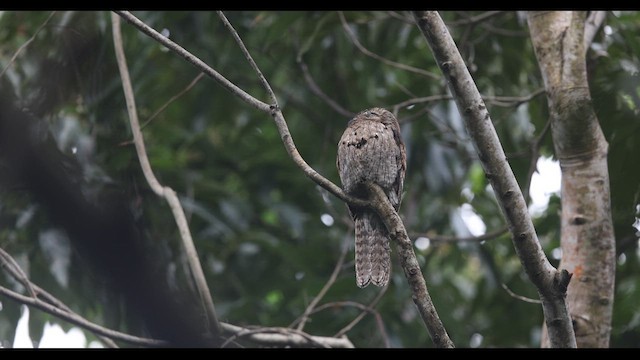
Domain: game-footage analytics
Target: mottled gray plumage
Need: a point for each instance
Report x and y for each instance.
(371, 150)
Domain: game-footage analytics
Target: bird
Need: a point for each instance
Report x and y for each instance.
(371, 150)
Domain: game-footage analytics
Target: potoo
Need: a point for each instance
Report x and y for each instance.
(371, 151)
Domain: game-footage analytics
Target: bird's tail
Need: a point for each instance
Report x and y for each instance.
(373, 260)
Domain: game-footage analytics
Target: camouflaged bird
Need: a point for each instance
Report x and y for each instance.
(371, 150)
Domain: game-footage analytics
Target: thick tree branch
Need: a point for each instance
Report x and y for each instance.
(550, 283)
(592, 25)
(409, 262)
(163, 191)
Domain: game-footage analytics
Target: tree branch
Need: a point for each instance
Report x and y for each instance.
(282, 337)
(78, 320)
(365, 310)
(386, 61)
(550, 283)
(448, 239)
(194, 61)
(409, 262)
(26, 43)
(591, 27)
(368, 309)
(313, 86)
(272, 110)
(163, 191)
(334, 275)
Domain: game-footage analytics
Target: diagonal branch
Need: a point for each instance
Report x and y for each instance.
(272, 110)
(77, 319)
(163, 191)
(332, 279)
(549, 281)
(409, 262)
(23, 46)
(386, 61)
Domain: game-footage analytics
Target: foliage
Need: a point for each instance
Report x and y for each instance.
(255, 217)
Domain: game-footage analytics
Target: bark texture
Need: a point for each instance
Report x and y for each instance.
(550, 282)
(587, 237)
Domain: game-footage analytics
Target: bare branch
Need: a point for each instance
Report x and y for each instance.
(334, 275)
(282, 337)
(369, 309)
(313, 86)
(419, 100)
(274, 111)
(550, 282)
(520, 297)
(172, 99)
(285, 135)
(475, 19)
(409, 262)
(166, 192)
(194, 61)
(386, 61)
(26, 43)
(592, 25)
(365, 310)
(509, 101)
(16, 271)
(78, 320)
(247, 56)
(405, 19)
(448, 239)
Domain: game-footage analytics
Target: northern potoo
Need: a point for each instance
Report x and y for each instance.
(371, 150)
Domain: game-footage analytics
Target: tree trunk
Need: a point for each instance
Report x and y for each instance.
(587, 238)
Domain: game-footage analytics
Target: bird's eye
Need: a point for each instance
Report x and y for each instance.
(373, 113)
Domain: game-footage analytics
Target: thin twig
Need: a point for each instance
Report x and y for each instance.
(512, 101)
(172, 99)
(420, 100)
(166, 192)
(448, 239)
(313, 86)
(369, 309)
(26, 43)
(403, 18)
(332, 279)
(365, 310)
(373, 55)
(475, 19)
(520, 297)
(247, 55)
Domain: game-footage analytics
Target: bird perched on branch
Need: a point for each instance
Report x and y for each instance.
(371, 150)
